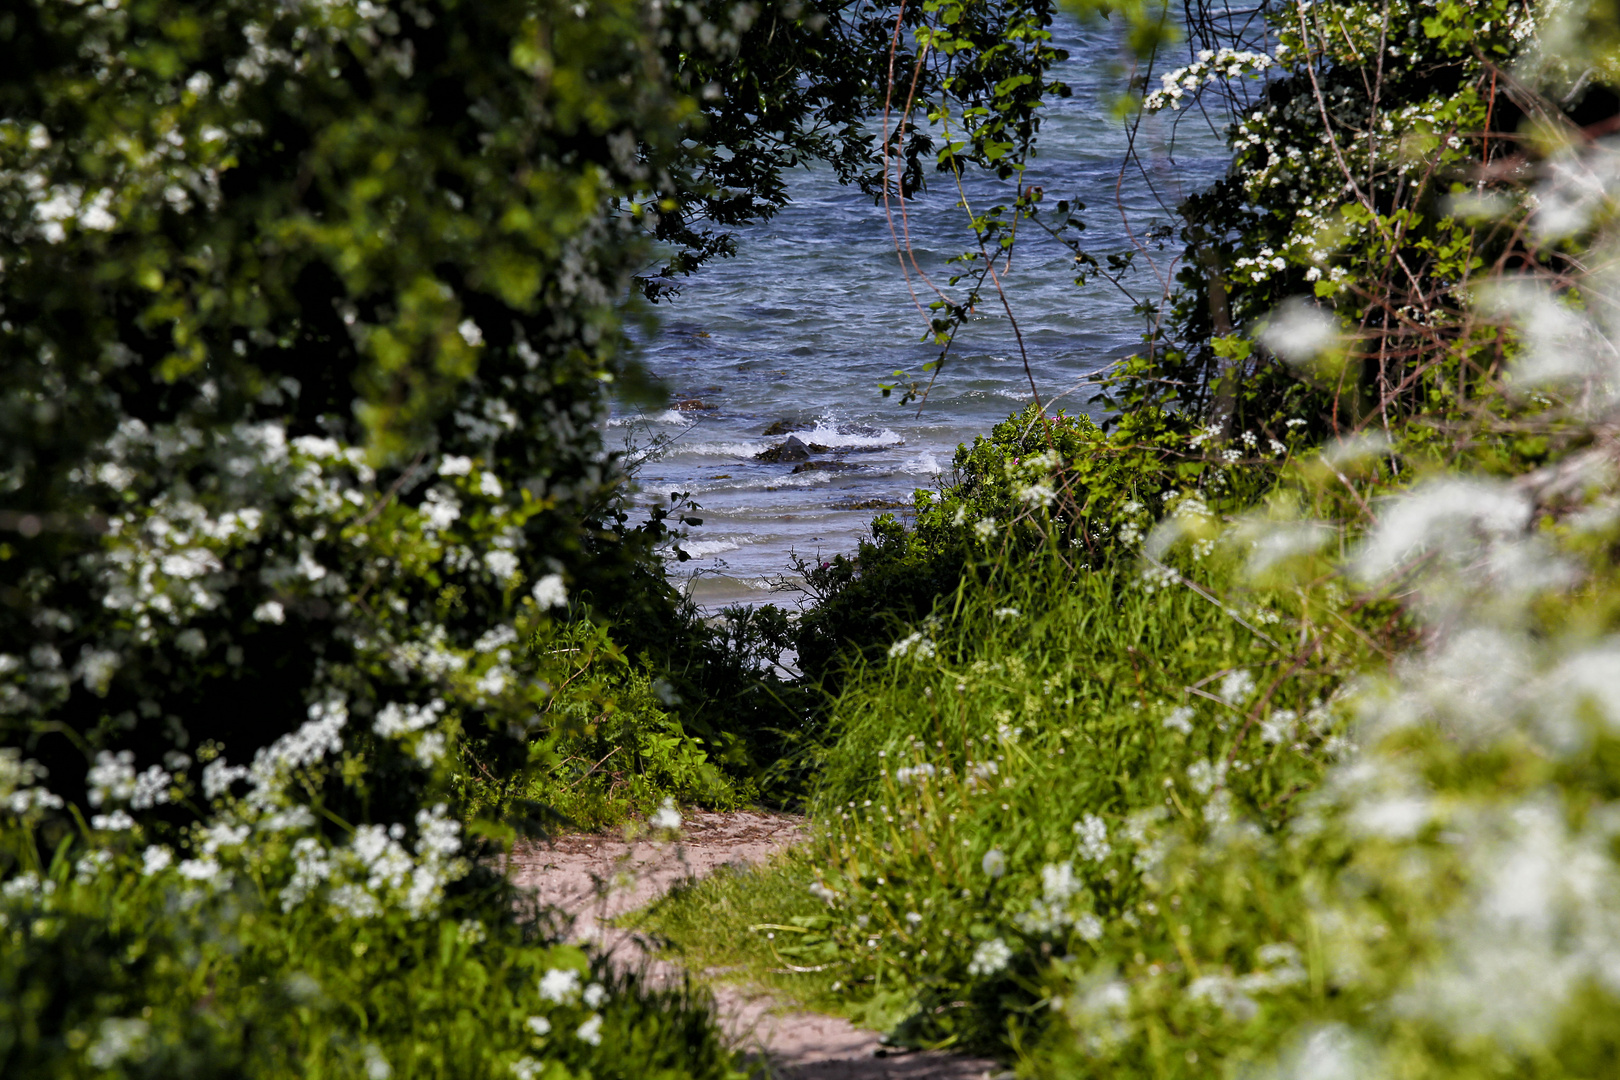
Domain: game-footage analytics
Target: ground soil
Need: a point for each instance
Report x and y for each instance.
(594, 878)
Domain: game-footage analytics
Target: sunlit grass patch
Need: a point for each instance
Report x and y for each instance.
(995, 794)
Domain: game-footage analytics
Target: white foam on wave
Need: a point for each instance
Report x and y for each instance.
(702, 549)
(668, 416)
(825, 433)
(719, 449)
(924, 464)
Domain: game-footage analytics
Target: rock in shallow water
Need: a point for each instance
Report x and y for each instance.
(794, 449)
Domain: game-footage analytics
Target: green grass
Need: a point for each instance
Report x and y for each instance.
(1021, 710)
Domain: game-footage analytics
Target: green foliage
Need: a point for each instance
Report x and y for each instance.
(608, 744)
(123, 967)
(1092, 721)
(1034, 488)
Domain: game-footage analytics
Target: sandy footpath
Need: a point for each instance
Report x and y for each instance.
(596, 878)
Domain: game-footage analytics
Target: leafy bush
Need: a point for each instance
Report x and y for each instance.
(141, 963)
(991, 786)
(1035, 488)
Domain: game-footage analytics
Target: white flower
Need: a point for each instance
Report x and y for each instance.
(489, 484)
(1237, 687)
(502, 564)
(1300, 332)
(1093, 834)
(1007, 613)
(117, 1040)
(97, 667)
(990, 957)
(270, 611)
(377, 1067)
(985, 528)
(1205, 777)
(117, 821)
(455, 466)
(155, 859)
(666, 817)
(994, 863)
(112, 777)
(1180, 719)
(594, 995)
(550, 592)
(591, 1030)
(470, 333)
(538, 1025)
(1058, 882)
(151, 788)
(916, 644)
(559, 985)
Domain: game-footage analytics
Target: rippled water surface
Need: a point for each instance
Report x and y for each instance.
(813, 313)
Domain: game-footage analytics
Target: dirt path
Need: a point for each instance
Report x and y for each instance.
(595, 879)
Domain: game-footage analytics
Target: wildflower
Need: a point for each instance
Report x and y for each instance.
(155, 859)
(1058, 882)
(1093, 834)
(591, 1030)
(667, 817)
(1180, 719)
(1004, 613)
(377, 1067)
(112, 777)
(270, 611)
(1278, 726)
(914, 918)
(527, 1068)
(994, 863)
(990, 957)
(1205, 777)
(985, 528)
(538, 1026)
(1236, 687)
(117, 1040)
(921, 773)
(594, 995)
(549, 592)
(916, 644)
(559, 985)
(455, 466)
(822, 892)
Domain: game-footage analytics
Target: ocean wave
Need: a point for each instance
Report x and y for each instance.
(668, 416)
(924, 464)
(833, 436)
(702, 549)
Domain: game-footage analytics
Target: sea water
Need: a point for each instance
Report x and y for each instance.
(801, 327)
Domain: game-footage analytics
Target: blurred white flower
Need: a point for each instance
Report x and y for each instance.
(990, 957)
(666, 817)
(559, 985)
(550, 592)
(1300, 332)
(994, 863)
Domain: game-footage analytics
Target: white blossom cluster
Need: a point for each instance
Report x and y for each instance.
(1212, 66)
